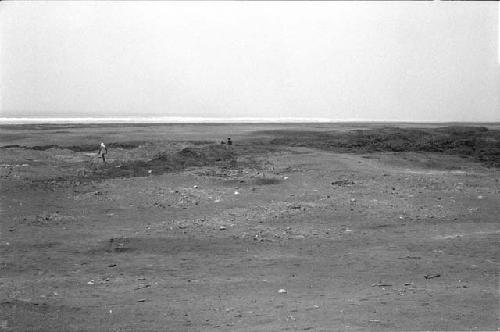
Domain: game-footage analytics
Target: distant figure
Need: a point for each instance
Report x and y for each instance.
(229, 142)
(103, 150)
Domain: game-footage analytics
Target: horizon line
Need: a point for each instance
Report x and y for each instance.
(207, 120)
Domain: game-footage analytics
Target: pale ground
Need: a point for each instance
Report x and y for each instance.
(209, 248)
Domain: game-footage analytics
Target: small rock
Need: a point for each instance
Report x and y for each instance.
(195, 186)
(236, 193)
(141, 300)
(91, 282)
(222, 228)
(282, 291)
(381, 284)
(150, 171)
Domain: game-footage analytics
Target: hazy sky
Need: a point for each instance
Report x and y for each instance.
(417, 61)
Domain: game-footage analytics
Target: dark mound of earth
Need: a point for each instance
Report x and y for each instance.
(77, 148)
(211, 155)
(479, 143)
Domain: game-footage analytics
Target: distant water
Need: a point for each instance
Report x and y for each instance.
(182, 119)
(160, 119)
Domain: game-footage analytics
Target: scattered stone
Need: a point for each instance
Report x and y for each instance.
(381, 284)
(142, 286)
(410, 257)
(343, 183)
(431, 276)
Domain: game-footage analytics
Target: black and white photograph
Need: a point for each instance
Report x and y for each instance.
(249, 165)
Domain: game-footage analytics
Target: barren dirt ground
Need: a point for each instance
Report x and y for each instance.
(354, 241)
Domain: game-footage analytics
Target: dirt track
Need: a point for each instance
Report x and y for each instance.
(374, 241)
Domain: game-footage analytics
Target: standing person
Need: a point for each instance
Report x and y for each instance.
(103, 150)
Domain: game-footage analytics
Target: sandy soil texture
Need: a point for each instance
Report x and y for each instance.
(316, 227)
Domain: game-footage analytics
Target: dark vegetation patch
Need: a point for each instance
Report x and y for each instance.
(201, 142)
(478, 143)
(77, 148)
(343, 183)
(211, 155)
(265, 181)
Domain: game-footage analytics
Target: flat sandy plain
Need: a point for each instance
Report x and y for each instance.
(366, 227)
